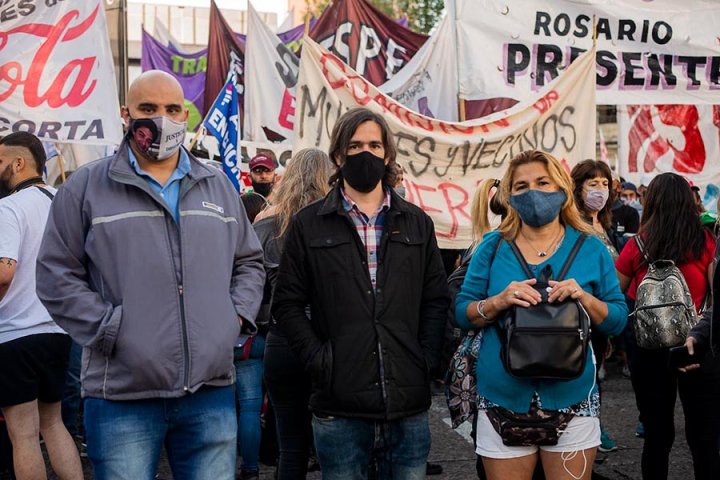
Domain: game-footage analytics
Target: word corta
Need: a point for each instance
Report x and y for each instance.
(624, 69)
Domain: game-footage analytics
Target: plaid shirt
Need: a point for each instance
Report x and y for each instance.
(370, 229)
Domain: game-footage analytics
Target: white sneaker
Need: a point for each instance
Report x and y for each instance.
(601, 373)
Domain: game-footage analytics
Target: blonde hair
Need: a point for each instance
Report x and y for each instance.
(305, 181)
(483, 200)
(569, 214)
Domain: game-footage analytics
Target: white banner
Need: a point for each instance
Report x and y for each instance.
(445, 161)
(664, 51)
(684, 139)
(58, 80)
(428, 83)
(271, 71)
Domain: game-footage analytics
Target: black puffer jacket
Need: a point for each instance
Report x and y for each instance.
(368, 353)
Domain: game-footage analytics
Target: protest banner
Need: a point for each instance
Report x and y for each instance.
(222, 122)
(188, 68)
(428, 83)
(684, 139)
(445, 161)
(58, 80)
(224, 49)
(647, 52)
(270, 78)
(366, 39)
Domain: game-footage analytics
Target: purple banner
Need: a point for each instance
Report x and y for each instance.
(188, 69)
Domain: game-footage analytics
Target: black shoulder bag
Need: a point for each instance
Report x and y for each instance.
(547, 341)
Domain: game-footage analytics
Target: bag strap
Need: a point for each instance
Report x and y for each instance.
(520, 259)
(571, 258)
(641, 247)
(47, 194)
(566, 266)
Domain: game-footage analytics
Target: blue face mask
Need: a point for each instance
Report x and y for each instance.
(537, 208)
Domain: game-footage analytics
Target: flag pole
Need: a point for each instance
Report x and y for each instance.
(61, 163)
(452, 10)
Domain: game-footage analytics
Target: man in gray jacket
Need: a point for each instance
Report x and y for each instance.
(149, 262)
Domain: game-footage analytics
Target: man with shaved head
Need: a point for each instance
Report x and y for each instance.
(34, 351)
(149, 263)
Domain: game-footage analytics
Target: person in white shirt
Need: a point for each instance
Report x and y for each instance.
(34, 351)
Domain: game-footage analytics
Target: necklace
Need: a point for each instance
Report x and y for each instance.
(544, 253)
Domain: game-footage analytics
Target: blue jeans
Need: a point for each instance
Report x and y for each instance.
(198, 431)
(249, 397)
(347, 447)
(70, 406)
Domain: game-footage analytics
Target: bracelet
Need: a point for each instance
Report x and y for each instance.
(480, 307)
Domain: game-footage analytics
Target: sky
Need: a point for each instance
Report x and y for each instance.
(276, 6)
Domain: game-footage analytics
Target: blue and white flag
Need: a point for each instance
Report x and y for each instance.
(222, 123)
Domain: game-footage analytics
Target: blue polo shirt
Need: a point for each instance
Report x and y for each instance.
(170, 192)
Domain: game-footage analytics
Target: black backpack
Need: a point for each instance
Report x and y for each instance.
(549, 340)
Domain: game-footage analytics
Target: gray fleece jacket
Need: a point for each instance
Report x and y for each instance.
(154, 303)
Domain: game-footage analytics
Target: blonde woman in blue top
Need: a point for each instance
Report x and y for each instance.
(544, 223)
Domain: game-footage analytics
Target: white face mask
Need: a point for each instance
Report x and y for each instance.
(157, 137)
(596, 198)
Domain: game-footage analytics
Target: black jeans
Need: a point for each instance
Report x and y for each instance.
(288, 386)
(656, 388)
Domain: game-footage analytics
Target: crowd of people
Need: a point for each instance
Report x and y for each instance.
(313, 312)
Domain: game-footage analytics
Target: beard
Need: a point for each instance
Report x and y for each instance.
(5, 177)
(263, 189)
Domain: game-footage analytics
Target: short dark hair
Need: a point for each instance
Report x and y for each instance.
(343, 132)
(586, 170)
(146, 123)
(32, 143)
(254, 203)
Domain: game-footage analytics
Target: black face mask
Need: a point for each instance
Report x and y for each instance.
(263, 189)
(363, 171)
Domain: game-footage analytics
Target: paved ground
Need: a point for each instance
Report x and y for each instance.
(454, 451)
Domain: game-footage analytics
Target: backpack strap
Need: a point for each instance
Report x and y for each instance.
(641, 247)
(520, 259)
(571, 258)
(47, 194)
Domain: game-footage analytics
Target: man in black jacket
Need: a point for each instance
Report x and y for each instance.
(367, 264)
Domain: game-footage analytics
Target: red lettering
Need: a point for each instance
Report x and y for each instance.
(364, 89)
(544, 104)
(287, 111)
(79, 69)
(456, 201)
(454, 208)
(335, 84)
(420, 203)
(382, 101)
